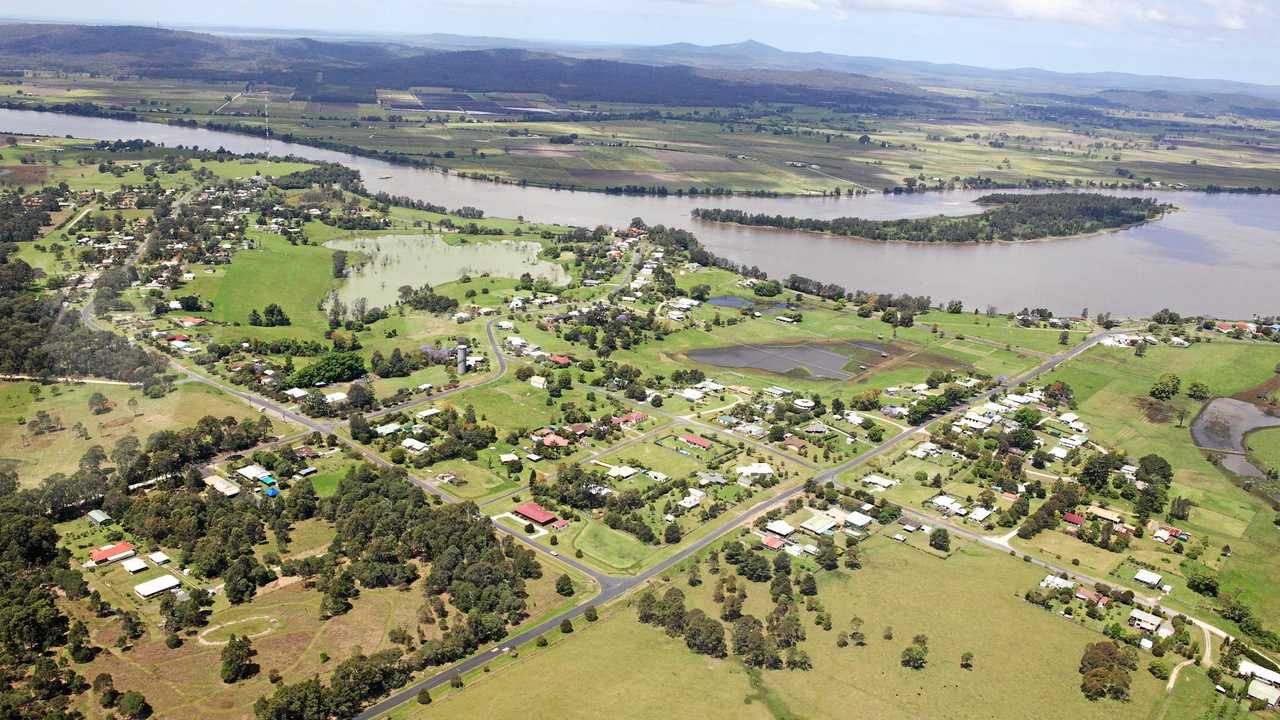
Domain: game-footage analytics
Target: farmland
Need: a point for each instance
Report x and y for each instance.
(1008, 675)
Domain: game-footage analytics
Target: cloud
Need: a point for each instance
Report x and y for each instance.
(1232, 15)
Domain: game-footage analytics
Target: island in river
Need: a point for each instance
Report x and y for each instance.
(1009, 218)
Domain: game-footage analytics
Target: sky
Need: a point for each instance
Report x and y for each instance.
(1230, 39)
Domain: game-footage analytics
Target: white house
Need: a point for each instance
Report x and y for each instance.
(154, 587)
(413, 445)
(780, 528)
(878, 481)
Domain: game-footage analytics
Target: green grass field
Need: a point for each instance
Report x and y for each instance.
(899, 586)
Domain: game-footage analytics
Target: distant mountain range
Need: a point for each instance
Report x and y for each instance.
(344, 68)
(756, 55)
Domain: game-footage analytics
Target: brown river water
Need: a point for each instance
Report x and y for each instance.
(1218, 255)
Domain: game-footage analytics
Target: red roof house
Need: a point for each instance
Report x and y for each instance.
(698, 442)
(112, 553)
(628, 419)
(561, 360)
(553, 440)
(534, 512)
(772, 542)
(1073, 519)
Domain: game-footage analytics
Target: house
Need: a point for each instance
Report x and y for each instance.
(508, 458)
(296, 393)
(879, 482)
(781, 528)
(711, 478)
(561, 360)
(857, 520)
(1053, 582)
(388, 429)
(222, 485)
(538, 381)
(554, 440)
(1092, 597)
(1144, 621)
(628, 420)
(772, 542)
(534, 513)
(429, 412)
(413, 445)
(108, 554)
(151, 588)
(253, 472)
(335, 398)
(693, 395)
(980, 514)
(819, 525)
(692, 500)
(794, 443)
(622, 472)
(1148, 578)
(696, 441)
(1073, 519)
(98, 517)
(134, 565)
(754, 471)
(948, 505)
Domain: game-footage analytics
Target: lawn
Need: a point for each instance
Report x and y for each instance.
(38, 456)
(295, 277)
(899, 586)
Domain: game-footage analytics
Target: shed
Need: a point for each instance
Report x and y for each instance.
(98, 517)
(1148, 578)
(158, 558)
(780, 527)
(154, 587)
(134, 565)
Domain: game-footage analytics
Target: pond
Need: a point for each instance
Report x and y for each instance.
(730, 301)
(828, 361)
(391, 261)
(1223, 424)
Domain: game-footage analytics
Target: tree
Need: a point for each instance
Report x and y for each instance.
(591, 614)
(915, 656)
(1199, 391)
(671, 535)
(564, 585)
(1166, 387)
(133, 705)
(966, 661)
(566, 626)
(424, 697)
(940, 539)
(237, 659)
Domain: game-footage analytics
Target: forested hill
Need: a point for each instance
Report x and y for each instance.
(1009, 218)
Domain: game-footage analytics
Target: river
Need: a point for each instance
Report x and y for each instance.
(1218, 255)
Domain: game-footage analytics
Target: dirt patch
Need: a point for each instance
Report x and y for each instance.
(1154, 410)
(546, 151)
(1263, 395)
(22, 174)
(689, 161)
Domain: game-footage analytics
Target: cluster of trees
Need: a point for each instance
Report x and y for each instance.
(702, 634)
(1013, 217)
(1105, 668)
(330, 368)
(272, 316)
(1065, 499)
(164, 457)
(32, 625)
(354, 682)
(424, 298)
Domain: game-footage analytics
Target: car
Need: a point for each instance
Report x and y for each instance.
(554, 553)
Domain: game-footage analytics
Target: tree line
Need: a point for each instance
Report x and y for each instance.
(1010, 217)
